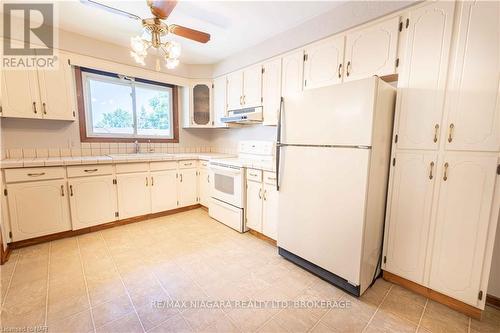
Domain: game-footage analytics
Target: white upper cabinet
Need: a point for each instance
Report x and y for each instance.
(292, 73)
(409, 214)
(371, 51)
(252, 86)
(422, 78)
(219, 101)
(57, 95)
(134, 195)
(20, 96)
(163, 190)
(92, 201)
(473, 106)
(323, 62)
(201, 106)
(235, 90)
(271, 91)
(467, 182)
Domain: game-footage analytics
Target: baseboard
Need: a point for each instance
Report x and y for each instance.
(457, 305)
(262, 236)
(71, 233)
(493, 301)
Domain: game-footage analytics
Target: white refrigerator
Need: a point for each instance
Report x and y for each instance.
(332, 161)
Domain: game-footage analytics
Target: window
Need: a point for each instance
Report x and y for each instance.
(118, 108)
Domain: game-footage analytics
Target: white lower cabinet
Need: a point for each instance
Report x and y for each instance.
(204, 186)
(409, 213)
(464, 205)
(134, 195)
(188, 187)
(38, 208)
(92, 201)
(262, 203)
(163, 190)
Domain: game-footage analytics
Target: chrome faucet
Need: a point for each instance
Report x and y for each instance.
(136, 143)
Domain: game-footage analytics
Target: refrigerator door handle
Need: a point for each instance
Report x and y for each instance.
(278, 145)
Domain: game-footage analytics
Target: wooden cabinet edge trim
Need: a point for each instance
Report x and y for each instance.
(450, 302)
(493, 301)
(262, 237)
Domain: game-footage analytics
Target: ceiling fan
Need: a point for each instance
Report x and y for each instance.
(155, 31)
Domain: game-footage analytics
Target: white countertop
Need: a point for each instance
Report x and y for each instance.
(106, 159)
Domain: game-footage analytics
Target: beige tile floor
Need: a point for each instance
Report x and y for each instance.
(106, 282)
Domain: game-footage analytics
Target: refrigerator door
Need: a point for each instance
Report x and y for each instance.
(322, 206)
(340, 114)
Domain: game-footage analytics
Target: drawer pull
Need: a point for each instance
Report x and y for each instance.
(62, 190)
(36, 174)
(186, 164)
(450, 135)
(430, 172)
(445, 176)
(71, 190)
(90, 170)
(436, 129)
(253, 174)
(271, 178)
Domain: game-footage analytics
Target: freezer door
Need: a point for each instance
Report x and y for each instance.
(322, 206)
(340, 114)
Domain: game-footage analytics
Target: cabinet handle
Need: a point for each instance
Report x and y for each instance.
(34, 107)
(181, 177)
(36, 174)
(450, 134)
(340, 71)
(152, 181)
(241, 100)
(260, 193)
(44, 108)
(208, 178)
(436, 130)
(430, 172)
(348, 68)
(265, 198)
(62, 190)
(147, 181)
(445, 175)
(71, 190)
(90, 170)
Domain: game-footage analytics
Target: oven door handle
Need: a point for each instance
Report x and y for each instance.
(228, 171)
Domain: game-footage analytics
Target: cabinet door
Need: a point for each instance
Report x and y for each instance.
(270, 212)
(252, 86)
(422, 78)
(202, 96)
(204, 186)
(134, 195)
(372, 51)
(92, 201)
(19, 92)
(409, 214)
(163, 190)
(38, 209)
(188, 187)
(271, 91)
(473, 108)
(323, 64)
(292, 66)
(219, 101)
(464, 205)
(254, 206)
(235, 90)
(57, 91)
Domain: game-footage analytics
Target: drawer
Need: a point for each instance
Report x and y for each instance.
(203, 164)
(33, 174)
(255, 175)
(89, 170)
(132, 167)
(187, 164)
(270, 177)
(158, 166)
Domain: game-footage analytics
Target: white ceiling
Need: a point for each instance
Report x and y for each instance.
(233, 25)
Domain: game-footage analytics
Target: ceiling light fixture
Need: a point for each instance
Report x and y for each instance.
(153, 36)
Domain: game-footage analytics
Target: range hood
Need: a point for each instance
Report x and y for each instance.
(244, 116)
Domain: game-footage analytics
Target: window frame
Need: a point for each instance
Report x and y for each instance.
(85, 120)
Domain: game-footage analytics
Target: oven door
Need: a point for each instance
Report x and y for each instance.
(227, 185)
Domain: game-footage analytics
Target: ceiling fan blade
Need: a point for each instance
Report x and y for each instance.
(110, 9)
(162, 8)
(195, 35)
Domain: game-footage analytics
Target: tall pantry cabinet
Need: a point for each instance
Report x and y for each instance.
(441, 213)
